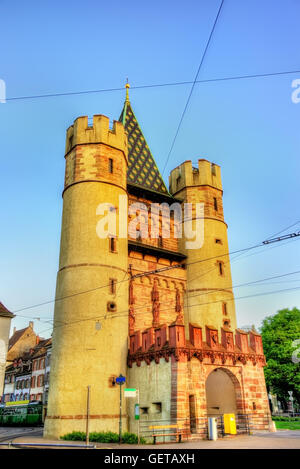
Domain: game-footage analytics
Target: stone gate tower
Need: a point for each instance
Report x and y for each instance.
(146, 306)
(89, 343)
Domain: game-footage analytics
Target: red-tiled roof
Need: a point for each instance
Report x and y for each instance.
(4, 312)
(15, 337)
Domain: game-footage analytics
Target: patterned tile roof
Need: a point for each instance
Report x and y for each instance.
(142, 169)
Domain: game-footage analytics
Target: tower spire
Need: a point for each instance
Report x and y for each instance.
(127, 86)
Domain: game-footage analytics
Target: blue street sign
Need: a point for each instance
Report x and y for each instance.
(120, 380)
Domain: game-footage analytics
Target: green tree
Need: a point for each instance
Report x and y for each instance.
(278, 334)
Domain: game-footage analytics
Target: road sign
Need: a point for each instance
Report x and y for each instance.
(130, 392)
(120, 380)
(137, 412)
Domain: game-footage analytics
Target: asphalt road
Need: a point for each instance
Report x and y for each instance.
(9, 433)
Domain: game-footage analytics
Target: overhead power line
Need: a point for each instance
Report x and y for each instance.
(284, 229)
(152, 272)
(153, 85)
(145, 273)
(124, 313)
(281, 238)
(193, 86)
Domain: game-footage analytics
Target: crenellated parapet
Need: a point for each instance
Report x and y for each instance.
(81, 132)
(96, 152)
(188, 175)
(169, 341)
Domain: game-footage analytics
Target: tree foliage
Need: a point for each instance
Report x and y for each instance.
(278, 334)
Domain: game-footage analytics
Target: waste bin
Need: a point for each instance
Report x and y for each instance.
(212, 428)
(229, 424)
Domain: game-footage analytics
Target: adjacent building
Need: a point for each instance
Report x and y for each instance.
(21, 341)
(5, 320)
(25, 377)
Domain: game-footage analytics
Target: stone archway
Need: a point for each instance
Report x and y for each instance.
(223, 393)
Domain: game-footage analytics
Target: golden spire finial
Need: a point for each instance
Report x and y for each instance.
(127, 86)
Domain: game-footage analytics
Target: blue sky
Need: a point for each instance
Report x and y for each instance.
(250, 127)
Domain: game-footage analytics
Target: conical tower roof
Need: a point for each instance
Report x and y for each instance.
(142, 169)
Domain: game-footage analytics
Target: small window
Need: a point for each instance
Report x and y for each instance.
(213, 169)
(221, 269)
(224, 306)
(226, 323)
(157, 407)
(111, 165)
(215, 204)
(160, 242)
(113, 244)
(111, 306)
(112, 285)
(144, 410)
(218, 241)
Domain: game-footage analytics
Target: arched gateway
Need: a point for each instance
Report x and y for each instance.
(223, 393)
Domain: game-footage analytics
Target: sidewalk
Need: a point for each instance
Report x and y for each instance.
(282, 439)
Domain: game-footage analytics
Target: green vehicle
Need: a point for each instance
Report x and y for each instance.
(15, 414)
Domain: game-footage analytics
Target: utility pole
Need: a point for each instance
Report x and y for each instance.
(87, 415)
(138, 410)
(120, 380)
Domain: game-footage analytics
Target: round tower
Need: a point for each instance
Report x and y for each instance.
(209, 296)
(90, 321)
